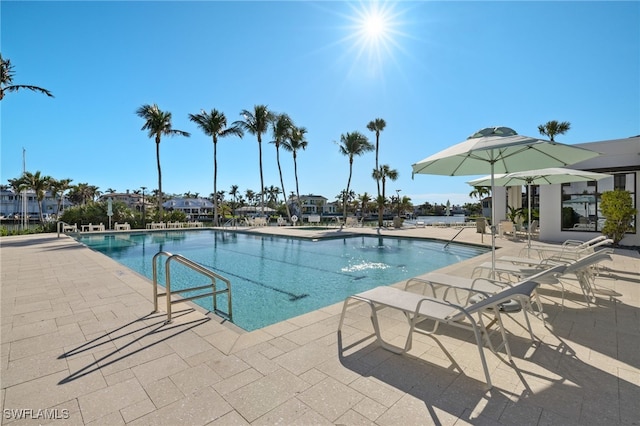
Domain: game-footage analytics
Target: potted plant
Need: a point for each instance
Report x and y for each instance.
(516, 215)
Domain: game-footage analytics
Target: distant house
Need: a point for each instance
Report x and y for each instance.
(311, 204)
(190, 206)
(11, 203)
(130, 199)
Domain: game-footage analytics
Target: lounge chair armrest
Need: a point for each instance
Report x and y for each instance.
(572, 243)
(501, 285)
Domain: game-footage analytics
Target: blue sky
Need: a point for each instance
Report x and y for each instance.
(439, 72)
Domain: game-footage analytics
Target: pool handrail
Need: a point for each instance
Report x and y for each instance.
(196, 268)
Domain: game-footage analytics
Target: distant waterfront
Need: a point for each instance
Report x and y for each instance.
(436, 219)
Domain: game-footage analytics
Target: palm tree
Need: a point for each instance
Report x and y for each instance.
(381, 174)
(272, 195)
(256, 122)
(251, 196)
(377, 126)
(364, 200)
(214, 124)
(58, 188)
(406, 204)
(553, 128)
(158, 123)
(234, 193)
(295, 143)
(282, 127)
(39, 184)
(352, 144)
(479, 192)
(6, 78)
(82, 192)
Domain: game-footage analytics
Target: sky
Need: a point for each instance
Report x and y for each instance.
(436, 72)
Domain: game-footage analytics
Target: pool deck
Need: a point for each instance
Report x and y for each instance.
(80, 345)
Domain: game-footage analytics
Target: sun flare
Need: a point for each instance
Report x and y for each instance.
(374, 32)
(374, 26)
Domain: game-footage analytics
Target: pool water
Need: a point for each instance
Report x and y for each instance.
(276, 278)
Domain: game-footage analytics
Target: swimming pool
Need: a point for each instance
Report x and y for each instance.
(274, 278)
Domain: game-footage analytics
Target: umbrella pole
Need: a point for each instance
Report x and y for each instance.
(529, 211)
(493, 223)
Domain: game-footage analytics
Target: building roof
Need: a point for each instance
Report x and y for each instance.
(188, 203)
(617, 155)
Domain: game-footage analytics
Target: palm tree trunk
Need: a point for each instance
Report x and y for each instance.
(284, 193)
(261, 176)
(159, 179)
(377, 167)
(295, 171)
(346, 194)
(215, 182)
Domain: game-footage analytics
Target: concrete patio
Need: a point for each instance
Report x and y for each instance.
(81, 346)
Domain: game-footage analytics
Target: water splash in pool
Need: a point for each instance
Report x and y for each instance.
(364, 266)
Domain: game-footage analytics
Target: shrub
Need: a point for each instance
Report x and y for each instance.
(97, 213)
(617, 208)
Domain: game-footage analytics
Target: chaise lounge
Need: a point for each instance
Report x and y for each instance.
(467, 315)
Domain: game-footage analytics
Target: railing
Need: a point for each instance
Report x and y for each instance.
(454, 237)
(64, 227)
(197, 268)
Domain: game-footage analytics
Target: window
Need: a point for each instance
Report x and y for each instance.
(581, 201)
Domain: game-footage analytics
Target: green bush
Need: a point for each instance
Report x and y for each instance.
(617, 208)
(96, 213)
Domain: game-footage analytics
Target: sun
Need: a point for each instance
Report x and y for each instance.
(374, 26)
(375, 29)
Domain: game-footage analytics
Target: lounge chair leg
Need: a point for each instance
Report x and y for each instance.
(480, 344)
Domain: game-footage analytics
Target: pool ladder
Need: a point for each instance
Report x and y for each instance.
(197, 268)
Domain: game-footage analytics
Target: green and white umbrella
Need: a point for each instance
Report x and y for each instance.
(499, 150)
(548, 176)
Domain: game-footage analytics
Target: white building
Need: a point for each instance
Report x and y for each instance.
(11, 204)
(580, 201)
(190, 206)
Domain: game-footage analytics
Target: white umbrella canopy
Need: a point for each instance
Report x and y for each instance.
(499, 150)
(548, 176)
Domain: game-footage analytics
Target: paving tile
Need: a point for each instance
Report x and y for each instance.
(111, 399)
(305, 357)
(163, 392)
(232, 418)
(377, 390)
(200, 408)
(331, 398)
(289, 412)
(159, 368)
(195, 378)
(240, 380)
(32, 367)
(137, 410)
(249, 401)
(39, 393)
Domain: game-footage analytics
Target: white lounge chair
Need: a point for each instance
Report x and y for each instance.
(434, 283)
(585, 270)
(418, 308)
(571, 249)
(507, 227)
(582, 268)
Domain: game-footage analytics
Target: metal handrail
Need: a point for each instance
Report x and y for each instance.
(62, 225)
(454, 237)
(197, 268)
